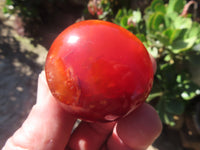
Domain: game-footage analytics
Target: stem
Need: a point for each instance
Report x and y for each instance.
(186, 8)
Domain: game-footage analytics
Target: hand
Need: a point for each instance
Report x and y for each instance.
(48, 127)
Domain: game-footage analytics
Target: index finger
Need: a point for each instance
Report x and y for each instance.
(47, 126)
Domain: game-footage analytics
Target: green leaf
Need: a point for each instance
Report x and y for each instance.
(153, 51)
(194, 31)
(149, 21)
(182, 23)
(169, 119)
(168, 32)
(196, 47)
(5, 10)
(164, 39)
(170, 19)
(168, 75)
(124, 21)
(160, 8)
(120, 14)
(183, 45)
(171, 34)
(136, 16)
(175, 6)
(141, 37)
(155, 21)
(175, 34)
(9, 2)
(122, 17)
(175, 106)
(167, 58)
(156, 2)
(190, 91)
(165, 116)
(157, 6)
(189, 95)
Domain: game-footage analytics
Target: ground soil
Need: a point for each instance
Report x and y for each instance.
(20, 64)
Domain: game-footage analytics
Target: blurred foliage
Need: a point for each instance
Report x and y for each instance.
(172, 37)
(106, 9)
(36, 10)
(26, 8)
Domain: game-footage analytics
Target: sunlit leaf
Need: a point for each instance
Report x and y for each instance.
(190, 92)
(182, 23)
(153, 51)
(170, 18)
(155, 3)
(196, 47)
(136, 16)
(167, 58)
(158, 19)
(183, 45)
(158, 6)
(9, 2)
(175, 6)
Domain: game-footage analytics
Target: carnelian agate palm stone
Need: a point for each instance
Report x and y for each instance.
(98, 70)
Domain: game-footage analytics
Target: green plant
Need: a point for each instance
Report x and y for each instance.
(173, 38)
(25, 8)
(106, 9)
(31, 9)
(8, 8)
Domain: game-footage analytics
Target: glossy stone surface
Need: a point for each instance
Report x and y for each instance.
(98, 71)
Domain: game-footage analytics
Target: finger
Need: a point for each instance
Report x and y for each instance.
(136, 131)
(90, 136)
(47, 126)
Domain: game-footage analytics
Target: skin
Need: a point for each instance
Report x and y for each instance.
(48, 127)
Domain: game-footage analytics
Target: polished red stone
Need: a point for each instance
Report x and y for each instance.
(98, 71)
